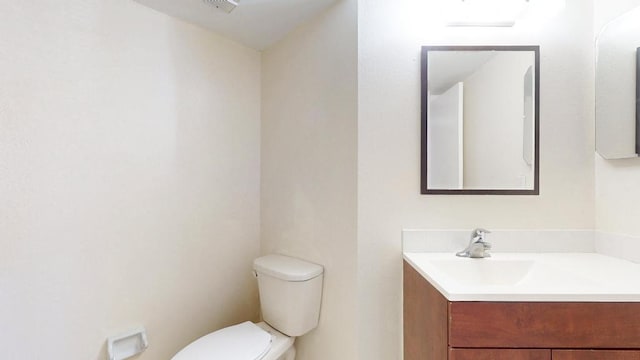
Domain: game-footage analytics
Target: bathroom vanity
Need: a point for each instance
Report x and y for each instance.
(521, 307)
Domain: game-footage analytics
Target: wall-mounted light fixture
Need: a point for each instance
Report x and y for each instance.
(497, 13)
(492, 13)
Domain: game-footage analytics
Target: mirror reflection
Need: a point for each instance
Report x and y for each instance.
(480, 120)
(617, 132)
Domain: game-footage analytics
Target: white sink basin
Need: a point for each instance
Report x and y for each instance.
(530, 277)
(488, 271)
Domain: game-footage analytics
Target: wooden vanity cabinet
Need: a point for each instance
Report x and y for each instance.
(438, 329)
(596, 355)
(499, 354)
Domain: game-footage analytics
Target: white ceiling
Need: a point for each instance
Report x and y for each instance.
(255, 23)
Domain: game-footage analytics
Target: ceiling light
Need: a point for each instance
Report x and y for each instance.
(224, 5)
(490, 13)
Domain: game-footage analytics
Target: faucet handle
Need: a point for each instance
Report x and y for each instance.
(478, 234)
(480, 231)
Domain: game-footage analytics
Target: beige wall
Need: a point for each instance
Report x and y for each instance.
(129, 179)
(390, 36)
(617, 193)
(308, 203)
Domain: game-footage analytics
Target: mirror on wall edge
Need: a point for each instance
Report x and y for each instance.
(638, 101)
(480, 120)
(618, 87)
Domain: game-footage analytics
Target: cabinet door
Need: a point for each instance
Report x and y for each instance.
(499, 354)
(596, 355)
(540, 325)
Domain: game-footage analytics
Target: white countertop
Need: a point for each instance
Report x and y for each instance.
(539, 277)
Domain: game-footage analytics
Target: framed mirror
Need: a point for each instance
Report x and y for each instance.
(480, 120)
(617, 89)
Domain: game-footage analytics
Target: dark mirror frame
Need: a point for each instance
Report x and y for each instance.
(424, 100)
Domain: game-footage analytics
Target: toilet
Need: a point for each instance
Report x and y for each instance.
(290, 295)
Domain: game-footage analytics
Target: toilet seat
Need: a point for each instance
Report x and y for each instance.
(245, 341)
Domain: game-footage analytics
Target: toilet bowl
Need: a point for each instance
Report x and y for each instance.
(245, 341)
(290, 295)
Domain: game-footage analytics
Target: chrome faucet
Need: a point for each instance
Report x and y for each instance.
(477, 247)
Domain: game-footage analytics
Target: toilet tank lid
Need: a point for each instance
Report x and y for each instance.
(287, 268)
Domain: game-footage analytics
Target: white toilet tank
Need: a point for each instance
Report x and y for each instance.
(290, 293)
